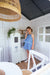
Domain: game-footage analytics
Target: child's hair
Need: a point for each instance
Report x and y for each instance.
(29, 28)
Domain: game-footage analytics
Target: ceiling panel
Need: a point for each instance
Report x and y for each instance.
(34, 8)
(44, 5)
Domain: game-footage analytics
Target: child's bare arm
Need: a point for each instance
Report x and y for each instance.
(26, 35)
(33, 41)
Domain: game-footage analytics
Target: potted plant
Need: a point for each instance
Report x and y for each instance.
(11, 31)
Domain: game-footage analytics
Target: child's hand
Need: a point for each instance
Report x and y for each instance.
(26, 35)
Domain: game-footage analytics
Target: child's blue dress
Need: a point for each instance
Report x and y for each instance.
(28, 42)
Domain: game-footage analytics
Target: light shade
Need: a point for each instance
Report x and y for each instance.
(10, 10)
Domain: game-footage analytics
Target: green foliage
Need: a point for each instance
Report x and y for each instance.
(11, 31)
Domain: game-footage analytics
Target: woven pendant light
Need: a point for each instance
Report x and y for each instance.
(10, 10)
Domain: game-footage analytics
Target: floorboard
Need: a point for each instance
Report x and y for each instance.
(23, 64)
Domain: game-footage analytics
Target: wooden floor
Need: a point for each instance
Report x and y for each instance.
(23, 64)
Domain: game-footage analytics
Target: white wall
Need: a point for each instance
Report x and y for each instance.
(4, 27)
(22, 24)
(43, 21)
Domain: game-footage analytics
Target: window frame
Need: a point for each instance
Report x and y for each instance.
(44, 34)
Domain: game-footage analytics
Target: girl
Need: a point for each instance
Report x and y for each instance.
(29, 40)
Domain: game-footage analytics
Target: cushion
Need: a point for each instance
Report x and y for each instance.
(2, 72)
(26, 72)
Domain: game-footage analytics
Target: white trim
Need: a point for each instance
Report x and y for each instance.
(44, 34)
